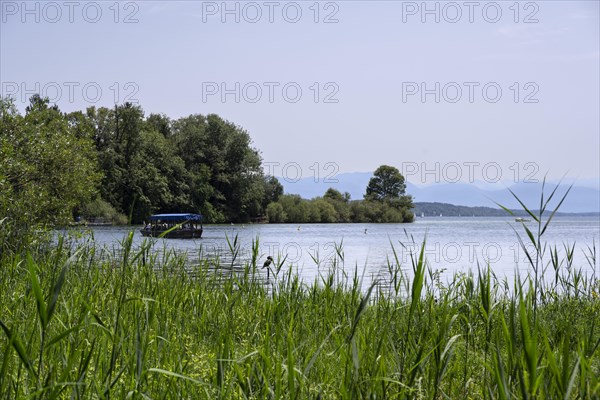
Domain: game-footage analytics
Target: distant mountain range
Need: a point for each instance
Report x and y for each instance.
(581, 199)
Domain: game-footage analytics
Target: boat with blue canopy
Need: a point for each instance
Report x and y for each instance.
(174, 226)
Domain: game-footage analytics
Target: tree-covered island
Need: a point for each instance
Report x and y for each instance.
(122, 166)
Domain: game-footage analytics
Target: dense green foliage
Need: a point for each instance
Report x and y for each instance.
(77, 323)
(99, 210)
(337, 207)
(197, 163)
(118, 165)
(47, 168)
(387, 184)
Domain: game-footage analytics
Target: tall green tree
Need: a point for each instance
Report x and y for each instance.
(160, 123)
(388, 186)
(117, 139)
(226, 170)
(273, 190)
(159, 177)
(129, 119)
(387, 183)
(143, 173)
(48, 167)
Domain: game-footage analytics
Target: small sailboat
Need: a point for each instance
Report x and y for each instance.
(520, 219)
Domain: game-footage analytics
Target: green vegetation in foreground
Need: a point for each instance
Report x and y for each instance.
(79, 324)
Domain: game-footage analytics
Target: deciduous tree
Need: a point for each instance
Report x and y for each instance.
(387, 183)
(47, 168)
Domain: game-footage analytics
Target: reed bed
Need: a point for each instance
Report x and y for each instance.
(78, 324)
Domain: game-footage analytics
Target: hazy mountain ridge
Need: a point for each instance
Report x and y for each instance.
(581, 199)
(450, 210)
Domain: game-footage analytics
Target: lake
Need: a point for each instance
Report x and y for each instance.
(452, 244)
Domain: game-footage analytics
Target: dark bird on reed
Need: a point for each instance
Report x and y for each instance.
(267, 265)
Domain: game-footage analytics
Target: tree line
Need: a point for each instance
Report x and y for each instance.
(385, 201)
(118, 164)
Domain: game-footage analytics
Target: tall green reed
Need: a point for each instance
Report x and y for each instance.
(129, 323)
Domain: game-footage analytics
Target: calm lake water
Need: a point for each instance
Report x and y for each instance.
(452, 244)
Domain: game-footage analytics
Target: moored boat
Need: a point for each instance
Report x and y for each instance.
(174, 226)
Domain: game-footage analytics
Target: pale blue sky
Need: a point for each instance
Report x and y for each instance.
(375, 61)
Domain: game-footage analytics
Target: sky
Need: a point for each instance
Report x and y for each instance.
(463, 91)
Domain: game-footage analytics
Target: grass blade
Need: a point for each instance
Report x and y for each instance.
(19, 348)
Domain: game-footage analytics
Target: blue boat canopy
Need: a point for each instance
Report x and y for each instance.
(176, 217)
